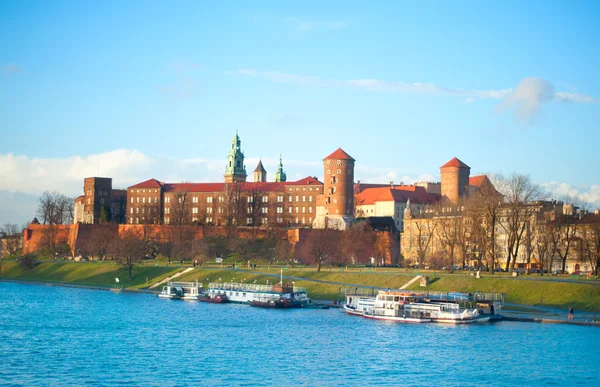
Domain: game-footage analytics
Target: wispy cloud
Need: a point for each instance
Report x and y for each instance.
(304, 25)
(526, 98)
(590, 195)
(11, 68)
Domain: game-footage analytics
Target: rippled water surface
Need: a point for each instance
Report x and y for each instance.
(66, 336)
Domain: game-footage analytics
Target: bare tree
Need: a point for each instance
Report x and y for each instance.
(565, 229)
(127, 250)
(55, 208)
(591, 244)
(12, 238)
(381, 248)
(520, 194)
(102, 237)
(542, 243)
(448, 229)
(424, 232)
(354, 242)
(320, 246)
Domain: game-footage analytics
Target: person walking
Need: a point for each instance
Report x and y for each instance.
(570, 316)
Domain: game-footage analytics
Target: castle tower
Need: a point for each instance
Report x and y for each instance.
(455, 179)
(235, 171)
(335, 207)
(97, 193)
(260, 174)
(280, 175)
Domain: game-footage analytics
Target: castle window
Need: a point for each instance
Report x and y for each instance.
(280, 199)
(167, 210)
(280, 210)
(304, 210)
(137, 200)
(304, 198)
(250, 199)
(264, 210)
(195, 199)
(209, 210)
(131, 210)
(248, 220)
(297, 198)
(265, 199)
(310, 198)
(310, 210)
(167, 200)
(137, 210)
(167, 220)
(143, 200)
(220, 199)
(209, 199)
(303, 222)
(195, 210)
(279, 220)
(297, 210)
(290, 197)
(249, 210)
(310, 219)
(290, 211)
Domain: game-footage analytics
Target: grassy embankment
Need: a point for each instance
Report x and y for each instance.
(530, 291)
(87, 273)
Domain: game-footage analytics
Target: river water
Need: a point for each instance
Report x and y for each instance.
(68, 336)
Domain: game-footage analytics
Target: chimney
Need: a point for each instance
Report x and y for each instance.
(358, 186)
(392, 184)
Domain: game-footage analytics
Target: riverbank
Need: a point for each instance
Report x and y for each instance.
(324, 285)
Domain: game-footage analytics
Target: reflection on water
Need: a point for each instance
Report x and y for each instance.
(66, 336)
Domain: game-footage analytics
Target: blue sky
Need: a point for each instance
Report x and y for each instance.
(142, 89)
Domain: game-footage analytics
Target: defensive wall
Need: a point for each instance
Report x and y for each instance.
(78, 237)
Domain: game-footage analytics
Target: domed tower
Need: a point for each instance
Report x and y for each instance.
(235, 171)
(280, 175)
(335, 207)
(260, 174)
(455, 179)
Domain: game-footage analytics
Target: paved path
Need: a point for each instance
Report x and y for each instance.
(410, 282)
(171, 277)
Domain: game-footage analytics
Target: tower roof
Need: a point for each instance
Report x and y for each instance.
(455, 163)
(260, 168)
(339, 154)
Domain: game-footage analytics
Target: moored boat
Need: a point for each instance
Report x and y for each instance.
(274, 302)
(171, 292)
(213, 298)
(390, 306)
(245, 293)
(444, 312)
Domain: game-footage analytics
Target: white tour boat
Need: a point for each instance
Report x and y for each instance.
(191, 290)
(245, 293)
(357, 304)
(390, 306)
(171, 292)
(444, 312)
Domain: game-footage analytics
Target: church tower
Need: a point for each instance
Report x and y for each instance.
(455, 179)
(235, 171)
(335, 207)
(260, 174)
(280, 175)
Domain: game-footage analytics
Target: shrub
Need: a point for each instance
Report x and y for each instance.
(27, 261)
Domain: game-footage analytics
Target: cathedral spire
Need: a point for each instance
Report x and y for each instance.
(280, 175)
(235, 171)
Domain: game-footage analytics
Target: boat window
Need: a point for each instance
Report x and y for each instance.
(244, 294)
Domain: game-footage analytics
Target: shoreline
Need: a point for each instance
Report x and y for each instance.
(514, 318)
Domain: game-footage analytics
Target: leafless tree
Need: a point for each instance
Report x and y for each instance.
(180, 209)
(12, 237)
(520, 196)
(542, 242)
(320, 246)
(127, 250)
(355, 241)
(55, 208)
(448, 229)
(102, 237)
(564, 234)
(424, 233)
(591, 244)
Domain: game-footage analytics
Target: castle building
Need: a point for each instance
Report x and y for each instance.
(455, 179)
(235, 171)
(335, 208)
(100, 202)
(257, 203)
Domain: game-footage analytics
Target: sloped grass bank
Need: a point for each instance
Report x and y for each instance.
(87, 273)
(324, 285)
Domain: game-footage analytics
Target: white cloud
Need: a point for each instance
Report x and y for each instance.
(589, 195)
(11, 68)
(304, 25)
(527, 98)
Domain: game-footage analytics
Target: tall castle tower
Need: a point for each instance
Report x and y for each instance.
(455, 179)
(335, 207)
(260, 174)
(235, 171)
(280, 175)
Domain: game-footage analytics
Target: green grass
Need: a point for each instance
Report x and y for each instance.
(534, 292)
(87, 273)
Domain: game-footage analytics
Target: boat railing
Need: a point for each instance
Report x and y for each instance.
(240, 286)
(359, 291)
(185, 284)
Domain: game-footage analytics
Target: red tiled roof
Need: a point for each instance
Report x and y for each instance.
(476, 181)
(150, 183)
(397, 194)
(194, 187)
(309, 180)
(339, 154)
(455, 163)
